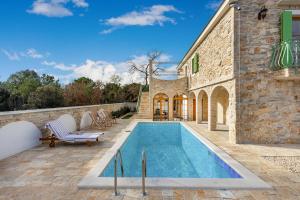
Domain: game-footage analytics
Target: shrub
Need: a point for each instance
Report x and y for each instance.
(121, 112)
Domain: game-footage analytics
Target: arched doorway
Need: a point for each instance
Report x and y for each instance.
(180, 109)
(192, 106)
(219, 108)
(202, 107)
(160, 107)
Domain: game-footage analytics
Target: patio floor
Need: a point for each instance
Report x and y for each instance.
(53, 173)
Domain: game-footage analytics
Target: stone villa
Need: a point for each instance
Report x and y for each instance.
(241, 74)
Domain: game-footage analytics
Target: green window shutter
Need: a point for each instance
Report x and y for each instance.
(286, 56)
(197, 62)
(286, 26)
(193, 65)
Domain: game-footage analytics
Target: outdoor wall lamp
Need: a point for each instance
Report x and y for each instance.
(262, 13)
(235, 4)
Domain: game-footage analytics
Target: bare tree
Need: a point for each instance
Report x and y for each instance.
(144, 68)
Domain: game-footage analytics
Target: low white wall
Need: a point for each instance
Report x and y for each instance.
(17, 137)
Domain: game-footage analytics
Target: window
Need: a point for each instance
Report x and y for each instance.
(290, 25)
(195, 63)
(296, 28)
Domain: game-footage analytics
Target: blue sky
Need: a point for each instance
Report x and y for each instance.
(73, 38)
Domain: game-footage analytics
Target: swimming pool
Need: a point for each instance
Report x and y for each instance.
(177, 157)
(171, 152)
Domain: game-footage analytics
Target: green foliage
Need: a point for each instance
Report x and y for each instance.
(130, 92)
(84, 80)
(4, 98)
(112, 93)
(82, 91)
(47, 96)
(145, 88)
(49, 80)
(23, 83)
(120, 112)
(27, 90)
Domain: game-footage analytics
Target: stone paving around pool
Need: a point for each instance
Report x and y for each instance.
(53, 173)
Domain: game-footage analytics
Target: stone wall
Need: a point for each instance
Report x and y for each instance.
(41, 116)
(215, 55)
(269, 109)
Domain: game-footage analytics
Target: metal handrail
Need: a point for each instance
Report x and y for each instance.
(144, 172)
(285, 55)
(117, 155)
(139, 98)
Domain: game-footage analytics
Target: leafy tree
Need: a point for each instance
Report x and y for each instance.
(130, 92)
(49, 80)
(4, 99)
(82, 91)
(85, 80)
(116, 79)
(112, 93)
(47, 96)
(23, 83)
(26, 89)
(16, 102)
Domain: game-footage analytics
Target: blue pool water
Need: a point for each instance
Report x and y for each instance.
(172, 151)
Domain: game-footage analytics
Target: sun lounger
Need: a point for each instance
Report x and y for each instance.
(97, 121)
(103, 117)
(62, 130)
(107, 116)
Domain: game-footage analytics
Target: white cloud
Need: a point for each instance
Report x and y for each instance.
(49, 9)
(30, 53)
(213, 5)
(103, 70)
(154, 15)
(33, 53)
(80, 3)
(55, 8)
(59, 66)
(11, 55)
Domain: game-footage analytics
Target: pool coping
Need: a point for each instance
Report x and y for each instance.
(248, 181)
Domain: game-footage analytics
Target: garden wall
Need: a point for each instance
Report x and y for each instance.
(40, 117)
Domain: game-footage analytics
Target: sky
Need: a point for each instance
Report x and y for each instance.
(97, 38)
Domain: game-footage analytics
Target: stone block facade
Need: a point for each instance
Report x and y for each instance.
(269, 108)
(234, 85)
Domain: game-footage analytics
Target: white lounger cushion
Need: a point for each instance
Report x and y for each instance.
(83, 137)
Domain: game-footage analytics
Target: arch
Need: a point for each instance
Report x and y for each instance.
(86, 120)
(202, 106)
(180, 107)
(192, 112)
(219, 107)
(17, 137)
(160, 107)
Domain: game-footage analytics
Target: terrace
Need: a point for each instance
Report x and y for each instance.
(53, 173)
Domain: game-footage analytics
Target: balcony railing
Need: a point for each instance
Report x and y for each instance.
(286, 55)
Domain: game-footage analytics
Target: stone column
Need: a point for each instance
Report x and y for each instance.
(197, 110)
(212, 113)
(171, 109)
(190, 108)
